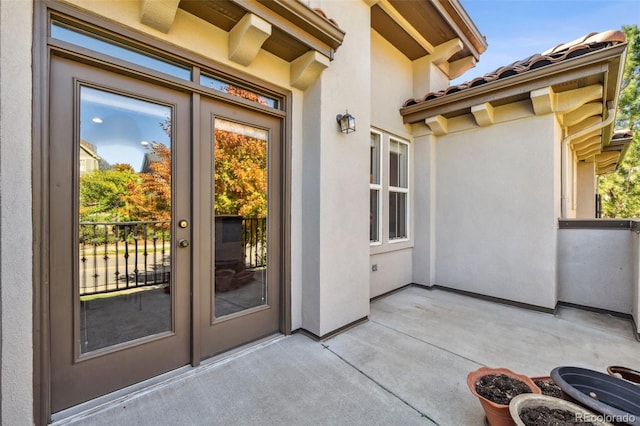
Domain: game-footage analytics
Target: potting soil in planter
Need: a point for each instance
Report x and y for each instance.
(548, 387)
(545, 416)
(500, 388)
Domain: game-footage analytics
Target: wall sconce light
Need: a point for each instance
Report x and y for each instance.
(347, 122)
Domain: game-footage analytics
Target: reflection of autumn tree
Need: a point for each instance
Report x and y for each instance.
(103, 192)
(240, 175)
(149, 196)
(120, 194)
(245, 94)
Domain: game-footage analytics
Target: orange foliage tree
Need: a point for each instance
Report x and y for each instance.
(240, 175)
(149, 196)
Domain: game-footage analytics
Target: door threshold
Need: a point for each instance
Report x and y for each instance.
(134, 391)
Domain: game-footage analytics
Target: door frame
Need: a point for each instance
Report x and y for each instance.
(44, 47)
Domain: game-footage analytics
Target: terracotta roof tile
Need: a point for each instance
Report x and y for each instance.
(589, 43)
(324, 15)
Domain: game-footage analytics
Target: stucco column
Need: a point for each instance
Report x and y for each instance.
(335, 173)
(424, 195)
(16, 298)
(586, 194)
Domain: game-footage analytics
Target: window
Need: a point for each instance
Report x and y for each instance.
(375, 189)
(389, 190)
(398, 189)
(238, 90)
(109, 47)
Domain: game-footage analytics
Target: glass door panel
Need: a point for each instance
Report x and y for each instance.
(124, 173)
(119, 172)
(240, 212)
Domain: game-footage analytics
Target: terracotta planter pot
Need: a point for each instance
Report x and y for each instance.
(224, 278)
(531, 400)
(625, 373)
(497, 414)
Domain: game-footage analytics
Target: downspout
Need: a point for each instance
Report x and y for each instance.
(564, 155)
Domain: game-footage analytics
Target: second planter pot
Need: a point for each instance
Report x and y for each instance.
(532, 401)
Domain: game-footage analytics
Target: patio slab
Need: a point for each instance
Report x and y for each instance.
(407, 365)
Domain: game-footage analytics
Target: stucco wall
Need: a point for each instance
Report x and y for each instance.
(391, 85)
(16, 359)
(335, 172)
(393, 271)
(496, 210)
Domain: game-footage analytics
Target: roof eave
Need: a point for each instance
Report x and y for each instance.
(462, 101)
(478, 43)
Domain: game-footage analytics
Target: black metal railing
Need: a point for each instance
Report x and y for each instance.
(254, 242)
(116, 256)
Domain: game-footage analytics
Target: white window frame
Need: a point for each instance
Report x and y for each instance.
(400, 190)
(373, 186)
(385, 243)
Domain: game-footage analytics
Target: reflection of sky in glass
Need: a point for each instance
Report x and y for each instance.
(121, 128)
(241, 129)
(64, 33)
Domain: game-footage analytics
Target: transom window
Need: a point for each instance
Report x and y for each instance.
(109, 45)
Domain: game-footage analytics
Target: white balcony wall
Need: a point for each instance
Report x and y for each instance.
(497, 204)
(635, 276)
(596, 268)
(16, 271)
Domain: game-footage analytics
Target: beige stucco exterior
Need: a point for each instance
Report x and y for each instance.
(496, 209)
(16, 265)
(486, 186)
(335, 260)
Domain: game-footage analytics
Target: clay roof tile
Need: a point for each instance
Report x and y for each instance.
(562, 52)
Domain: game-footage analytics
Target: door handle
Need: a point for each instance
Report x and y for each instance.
(183, 243)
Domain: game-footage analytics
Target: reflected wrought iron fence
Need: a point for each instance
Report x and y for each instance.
(116, 256)
(254, 241)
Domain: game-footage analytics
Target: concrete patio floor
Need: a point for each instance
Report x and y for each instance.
(407, 365)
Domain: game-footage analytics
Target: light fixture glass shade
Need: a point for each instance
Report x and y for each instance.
(347, 122)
